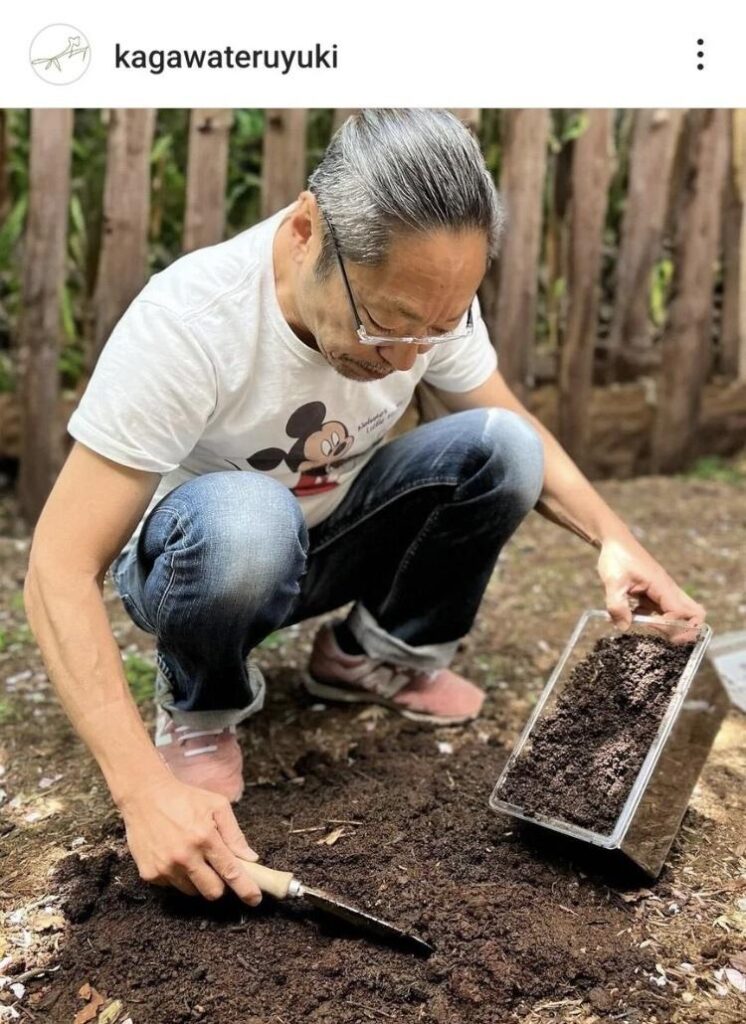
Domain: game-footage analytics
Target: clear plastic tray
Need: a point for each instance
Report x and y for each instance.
(689, 744)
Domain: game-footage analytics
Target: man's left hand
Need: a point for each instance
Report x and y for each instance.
(627, 572)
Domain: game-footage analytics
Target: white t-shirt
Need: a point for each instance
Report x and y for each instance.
(203, 374)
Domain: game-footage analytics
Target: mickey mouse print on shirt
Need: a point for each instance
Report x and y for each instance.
(320, 447)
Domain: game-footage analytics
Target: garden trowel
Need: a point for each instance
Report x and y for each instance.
(283, 885)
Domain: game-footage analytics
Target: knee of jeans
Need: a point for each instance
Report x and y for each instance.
(249, 532)
(516, 454)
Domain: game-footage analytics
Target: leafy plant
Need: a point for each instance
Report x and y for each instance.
(7, 373)
(12, 228)
(140, 675)
(18, 635)
(660, 281)
(274, 641)
(8, 713)
(715, 467)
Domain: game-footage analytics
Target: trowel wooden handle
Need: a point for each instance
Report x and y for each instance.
(276, 883)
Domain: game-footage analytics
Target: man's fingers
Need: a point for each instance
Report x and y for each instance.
(205, 880)
(231, 833)
(176, 881)
(617, 605)
(686, 634)
(183, 884)
(230, 869)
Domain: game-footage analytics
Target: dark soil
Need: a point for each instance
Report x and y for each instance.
(586, 753)
(527, 928)
(510, 923)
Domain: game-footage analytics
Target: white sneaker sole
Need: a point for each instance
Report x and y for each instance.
(327, 692)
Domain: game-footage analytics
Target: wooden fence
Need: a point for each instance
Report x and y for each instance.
(684, 189)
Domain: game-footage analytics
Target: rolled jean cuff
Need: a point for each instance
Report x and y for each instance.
(377, 643)
(215, 719)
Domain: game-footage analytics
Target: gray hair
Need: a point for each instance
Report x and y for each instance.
(394, 170)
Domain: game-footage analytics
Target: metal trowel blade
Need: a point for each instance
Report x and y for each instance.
(361, 919)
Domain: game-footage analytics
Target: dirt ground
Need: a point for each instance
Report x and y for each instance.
(525, 928)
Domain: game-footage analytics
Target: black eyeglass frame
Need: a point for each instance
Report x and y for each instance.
(375, 339)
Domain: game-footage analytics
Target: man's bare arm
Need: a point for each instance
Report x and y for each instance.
(93, 508)
(178, 835)
(569, 499)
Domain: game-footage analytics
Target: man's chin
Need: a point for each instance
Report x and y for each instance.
(353, 371)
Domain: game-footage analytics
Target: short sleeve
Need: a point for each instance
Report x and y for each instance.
(463, 365)
(151, 392)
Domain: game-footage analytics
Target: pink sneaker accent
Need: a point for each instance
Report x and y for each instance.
(441, 696)
(206, 758)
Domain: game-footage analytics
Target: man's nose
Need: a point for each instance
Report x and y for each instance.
(401, 356)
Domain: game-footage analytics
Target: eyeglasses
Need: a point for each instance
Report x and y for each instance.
(375, 339)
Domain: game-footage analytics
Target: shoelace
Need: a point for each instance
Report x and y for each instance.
(193, 734)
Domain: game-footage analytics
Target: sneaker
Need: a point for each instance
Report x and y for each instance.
(440, 696)
(207, 758)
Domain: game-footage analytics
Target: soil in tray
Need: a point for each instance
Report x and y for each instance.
(585, 754)
(512, 922)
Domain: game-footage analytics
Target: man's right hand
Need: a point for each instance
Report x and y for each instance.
(189, 838)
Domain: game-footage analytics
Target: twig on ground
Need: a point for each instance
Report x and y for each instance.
(372, 1009)
(34, 972)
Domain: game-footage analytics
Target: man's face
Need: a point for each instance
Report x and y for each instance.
(424, 288)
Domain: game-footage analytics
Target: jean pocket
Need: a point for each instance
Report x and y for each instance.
(136, 614)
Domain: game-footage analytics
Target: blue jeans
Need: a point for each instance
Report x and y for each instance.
(225, 559)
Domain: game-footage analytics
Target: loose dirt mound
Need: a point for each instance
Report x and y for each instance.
(511, 924)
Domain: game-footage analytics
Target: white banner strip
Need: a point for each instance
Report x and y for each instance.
(565, 53)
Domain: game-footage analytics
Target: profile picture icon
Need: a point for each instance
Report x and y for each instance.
(60, 54)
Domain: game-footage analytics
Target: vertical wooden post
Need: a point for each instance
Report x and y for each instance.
(207, 174)
(39, 326)
(733, 328)
(511, 289)
(283, 158)
(123, 260)
(556, 235)
(652, 151)
(4, 182)
(592, 168)
(686, 348)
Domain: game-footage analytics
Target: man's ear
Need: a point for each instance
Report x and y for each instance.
(304, 223)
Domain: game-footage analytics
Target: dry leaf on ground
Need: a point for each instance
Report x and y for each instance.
(331, 839)
(94, 1000)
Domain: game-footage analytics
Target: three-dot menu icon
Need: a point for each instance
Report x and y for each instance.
(700, 54)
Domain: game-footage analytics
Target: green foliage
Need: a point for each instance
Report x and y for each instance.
(245, 169)
(567, 126)
(71, 364)
(7, 373)
(715, 467)
(20, 635)
(12, 229)
(660, 282)
(168, 164)
(274, 641)
(490, 140)
(8, 712)
(140, 675)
